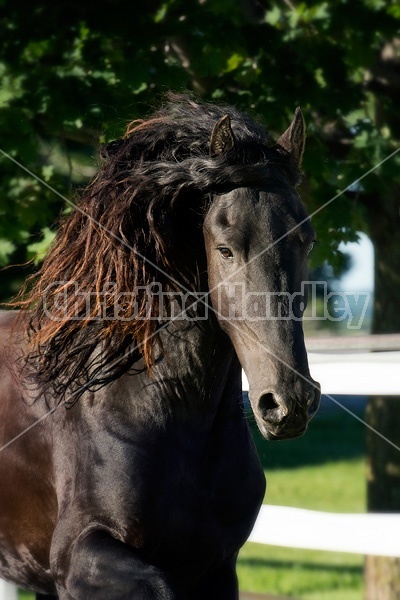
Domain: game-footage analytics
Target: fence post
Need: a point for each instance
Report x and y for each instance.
(8, 591)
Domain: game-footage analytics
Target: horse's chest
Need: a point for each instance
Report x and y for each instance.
(207, 503)
(185, 500)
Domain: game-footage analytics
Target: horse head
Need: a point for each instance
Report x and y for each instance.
(196, 189)
(257, 238)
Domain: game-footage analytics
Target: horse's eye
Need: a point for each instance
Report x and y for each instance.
(225, 252)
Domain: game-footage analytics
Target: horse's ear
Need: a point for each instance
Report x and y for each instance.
(294, 138)
(222, 139)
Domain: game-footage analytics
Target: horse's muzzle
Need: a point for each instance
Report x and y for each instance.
(281, 417)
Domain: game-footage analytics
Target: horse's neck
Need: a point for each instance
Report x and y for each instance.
(199, 355)
(194, 385)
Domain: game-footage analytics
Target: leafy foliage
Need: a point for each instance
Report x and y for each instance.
(74, 73)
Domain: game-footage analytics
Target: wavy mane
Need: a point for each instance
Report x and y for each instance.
(138, 222)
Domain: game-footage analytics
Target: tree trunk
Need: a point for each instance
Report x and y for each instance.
(382, 574)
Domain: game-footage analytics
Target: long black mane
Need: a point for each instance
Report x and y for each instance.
(138, 222)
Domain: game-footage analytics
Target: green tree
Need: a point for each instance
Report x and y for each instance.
(74, 73)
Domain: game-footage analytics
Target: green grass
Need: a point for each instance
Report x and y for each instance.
(323, 470)
(308, 574)
(303, 574)
(334, 487)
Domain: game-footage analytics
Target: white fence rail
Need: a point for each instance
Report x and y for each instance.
(365, 374)
(351, 373)
(339, 372)
(374, 534)
(8, 591)
(343, 365)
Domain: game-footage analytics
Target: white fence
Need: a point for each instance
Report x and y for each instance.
(339, 372)
(374, 534)
(8, 591)
(343, 365)
(351, 373)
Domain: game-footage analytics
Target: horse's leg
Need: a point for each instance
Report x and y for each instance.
(101, 567)
(222, 584)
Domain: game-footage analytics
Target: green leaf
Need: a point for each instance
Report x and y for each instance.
(233, 62)
(273, 16)
(38, 250)
(6, 249)
(161, 13)
(319, 76)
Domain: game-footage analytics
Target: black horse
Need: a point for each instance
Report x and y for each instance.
(126, 465)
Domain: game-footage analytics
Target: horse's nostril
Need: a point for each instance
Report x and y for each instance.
(270, 409)
(267, 402)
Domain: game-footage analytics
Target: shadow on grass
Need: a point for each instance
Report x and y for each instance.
(332, 435)
(307, 566)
